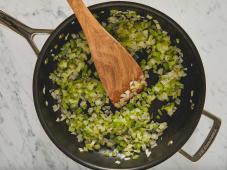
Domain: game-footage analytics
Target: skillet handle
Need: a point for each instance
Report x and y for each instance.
(208, 141)
(27, 32)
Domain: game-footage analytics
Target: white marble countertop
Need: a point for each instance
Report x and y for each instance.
(23, 142)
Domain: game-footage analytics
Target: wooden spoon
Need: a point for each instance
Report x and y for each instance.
(116, 67)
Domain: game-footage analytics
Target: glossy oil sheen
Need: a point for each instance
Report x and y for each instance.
(181, 125)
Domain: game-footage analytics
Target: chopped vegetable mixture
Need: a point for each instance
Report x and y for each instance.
(86, 108)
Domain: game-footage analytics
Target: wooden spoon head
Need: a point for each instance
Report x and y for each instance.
(117, 69)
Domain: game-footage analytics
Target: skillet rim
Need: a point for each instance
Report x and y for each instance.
(108, 4)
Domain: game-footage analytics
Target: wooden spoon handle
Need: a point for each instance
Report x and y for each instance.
(87, 21)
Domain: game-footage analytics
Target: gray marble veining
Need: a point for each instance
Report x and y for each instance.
(23, 142)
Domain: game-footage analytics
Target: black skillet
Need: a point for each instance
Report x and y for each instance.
(181, 125)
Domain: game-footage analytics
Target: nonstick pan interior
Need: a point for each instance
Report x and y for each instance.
(181, 125)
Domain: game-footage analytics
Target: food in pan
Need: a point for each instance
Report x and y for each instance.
(87, 110)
